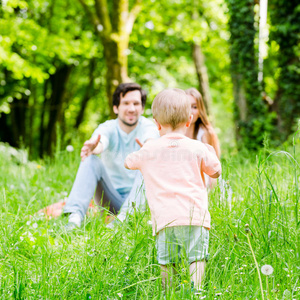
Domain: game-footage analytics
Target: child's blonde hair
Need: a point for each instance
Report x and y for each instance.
(171, 107)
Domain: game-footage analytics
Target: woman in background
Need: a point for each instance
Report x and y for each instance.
(201, 129)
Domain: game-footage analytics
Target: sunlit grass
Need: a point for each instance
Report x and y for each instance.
(40, 260)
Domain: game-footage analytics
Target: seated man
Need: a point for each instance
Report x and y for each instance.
(114, 140)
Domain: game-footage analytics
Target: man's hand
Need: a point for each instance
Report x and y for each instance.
(91, 146)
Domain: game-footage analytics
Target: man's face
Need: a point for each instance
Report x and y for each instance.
(130, 108)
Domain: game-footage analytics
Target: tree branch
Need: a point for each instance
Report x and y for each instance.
(103, 14)
(135, 10)
(93, 19)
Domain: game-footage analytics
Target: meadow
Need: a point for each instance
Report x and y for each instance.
(39, 259)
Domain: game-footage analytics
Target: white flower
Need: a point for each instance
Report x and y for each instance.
(120, 295)
(28, 223)
(267, 270)
(149, 222)
(70, 148)
(35, 225)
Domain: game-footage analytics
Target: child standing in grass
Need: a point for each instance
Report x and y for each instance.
(173, 167)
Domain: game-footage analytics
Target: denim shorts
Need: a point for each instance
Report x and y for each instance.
(189, 243)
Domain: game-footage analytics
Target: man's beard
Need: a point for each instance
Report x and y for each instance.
(129, 124)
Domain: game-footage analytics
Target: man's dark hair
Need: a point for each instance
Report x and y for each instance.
(124, 88)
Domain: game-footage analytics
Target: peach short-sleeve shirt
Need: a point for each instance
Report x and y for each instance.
(172, 167)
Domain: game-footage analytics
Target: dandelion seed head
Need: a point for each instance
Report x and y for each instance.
(267, 270)
(70, 148)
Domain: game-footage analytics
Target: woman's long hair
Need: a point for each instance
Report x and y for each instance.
(203, 120)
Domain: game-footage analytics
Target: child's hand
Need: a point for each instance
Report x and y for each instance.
(139, 142)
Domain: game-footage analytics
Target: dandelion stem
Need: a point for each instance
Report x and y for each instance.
(267, 281)
(256, 264)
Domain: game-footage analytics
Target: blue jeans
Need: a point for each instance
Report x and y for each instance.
(92, 176)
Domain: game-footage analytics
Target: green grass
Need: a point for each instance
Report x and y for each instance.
(39, 260)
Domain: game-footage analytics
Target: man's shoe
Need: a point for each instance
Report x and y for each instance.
(74, 221)
(70, 226)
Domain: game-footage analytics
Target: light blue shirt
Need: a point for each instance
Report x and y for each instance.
(117, 144)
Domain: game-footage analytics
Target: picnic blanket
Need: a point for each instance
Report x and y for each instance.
(56, 209)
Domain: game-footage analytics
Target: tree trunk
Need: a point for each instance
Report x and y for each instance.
(58, 84)
(42, 120)
(201, 70)
(6, 134)
(116, 63)
(18, 114)
(251, 119)
(113, 25)
(87, 94)
(241, 110)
